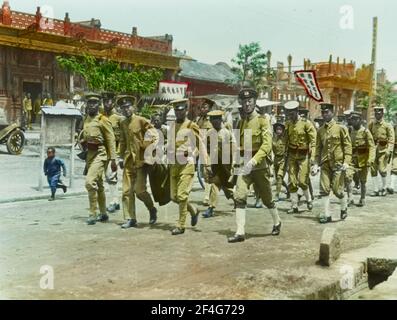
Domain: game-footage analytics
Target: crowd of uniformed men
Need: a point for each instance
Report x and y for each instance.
(118, 143)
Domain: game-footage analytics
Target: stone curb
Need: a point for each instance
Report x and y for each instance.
(41, 197)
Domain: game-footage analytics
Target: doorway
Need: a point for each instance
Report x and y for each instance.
(35, 89)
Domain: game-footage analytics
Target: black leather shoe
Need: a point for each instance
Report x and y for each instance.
(343, 214)
(103, 218)
(390, 190)
(310, 205)
(236, 238)
(293, 211)
(276, 230)
(153, 216)
(209, 213)
(361, 203)
(118, 207)
(177, 231)
(374, 194)
(324, 220)
(91, 221)
(64, 189)
(130, 224)
(195, 218)
(383, 193)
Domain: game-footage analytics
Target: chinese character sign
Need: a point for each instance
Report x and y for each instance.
(308, 80)
(173, 90)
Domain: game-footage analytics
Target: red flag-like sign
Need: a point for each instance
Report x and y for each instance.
(309, 81)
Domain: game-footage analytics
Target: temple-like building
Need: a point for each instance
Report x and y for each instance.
(29, 44)
(340, 82)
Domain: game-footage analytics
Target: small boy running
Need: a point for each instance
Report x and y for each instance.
(52, 169)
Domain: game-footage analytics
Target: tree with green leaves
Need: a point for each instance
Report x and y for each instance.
(251, 64)
(386, 95)
(106, 75)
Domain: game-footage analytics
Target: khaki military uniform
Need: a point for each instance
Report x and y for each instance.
(333, 149)
(279, 163)
(28, 109)
(132, 150)
(394, 164)
(99, 137)
(301, 146)
(204, 123)
(113, 179)
(182, 169)
(48, 102)
(383, 135)
(363, 152)
(261, 149)
(221, 169)
(116, 119)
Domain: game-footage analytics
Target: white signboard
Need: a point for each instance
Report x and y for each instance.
(172, 90)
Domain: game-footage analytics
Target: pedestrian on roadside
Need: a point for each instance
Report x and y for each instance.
(52, 169)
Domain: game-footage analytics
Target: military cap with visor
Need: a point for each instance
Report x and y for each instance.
(248, 93)
(379, 108)
(92, 96)
(125, 101)
(180, 104)
(356, 114)
(327, 106)
(291, 105)
(216, 114)
(107, 95)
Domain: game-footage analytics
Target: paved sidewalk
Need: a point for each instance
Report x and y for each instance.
(19, 175)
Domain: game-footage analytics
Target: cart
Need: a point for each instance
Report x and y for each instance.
(13, 137)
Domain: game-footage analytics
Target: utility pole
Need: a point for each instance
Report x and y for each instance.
(374, 85)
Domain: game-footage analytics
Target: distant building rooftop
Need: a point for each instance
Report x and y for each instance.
(219, 72)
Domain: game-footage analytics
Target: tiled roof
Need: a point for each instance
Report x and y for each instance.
(220, 72)
(22, 20)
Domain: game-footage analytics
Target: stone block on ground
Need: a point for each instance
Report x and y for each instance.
(330, 247)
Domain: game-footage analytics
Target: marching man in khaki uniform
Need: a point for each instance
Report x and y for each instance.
(383, 134)
(280, 154)
(136, 134)
(363, 152)
(221, 160)
(98, 138)
(393, 177)
(204, 123)
(301, 146)
(333, 155)
(183, 148)
(112, 178)
(257, 169)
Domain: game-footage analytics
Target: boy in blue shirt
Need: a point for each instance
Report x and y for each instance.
(52, 169)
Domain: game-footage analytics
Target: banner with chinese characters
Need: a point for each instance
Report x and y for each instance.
(309, 81)
(172, 90)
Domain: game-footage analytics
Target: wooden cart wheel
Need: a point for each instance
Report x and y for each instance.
(15, 142)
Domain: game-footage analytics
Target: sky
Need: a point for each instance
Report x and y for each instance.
(211, 31)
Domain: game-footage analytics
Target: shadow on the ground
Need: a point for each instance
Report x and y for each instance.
(230, 233)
